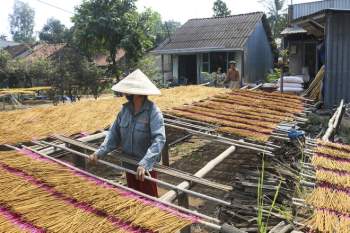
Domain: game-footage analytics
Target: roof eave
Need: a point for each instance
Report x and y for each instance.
(194, 50)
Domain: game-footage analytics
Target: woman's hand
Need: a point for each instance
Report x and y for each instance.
(140, 173)
(93, 158)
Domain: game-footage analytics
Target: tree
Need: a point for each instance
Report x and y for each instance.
(109, 25)
(54, 32)
(22, 22)
(220, 9)
(4, 59)
(277, 16)
(168, 28)
(148, 65)
(75, 75)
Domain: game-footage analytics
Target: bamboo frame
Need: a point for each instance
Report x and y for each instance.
(158, 168)
(160, 182)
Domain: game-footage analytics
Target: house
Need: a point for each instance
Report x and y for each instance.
(319, 34)
(203, 45)
(5, 43)
(54, 52)
(32, 52)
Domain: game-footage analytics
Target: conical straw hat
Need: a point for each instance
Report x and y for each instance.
(136, 83)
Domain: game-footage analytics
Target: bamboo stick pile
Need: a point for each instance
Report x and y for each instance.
(331, 197)
(86, 116)
(264, 181)
(39, 195)
(246, 113)
(315, 89)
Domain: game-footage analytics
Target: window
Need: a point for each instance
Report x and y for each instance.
(231, 56)
(205, 62)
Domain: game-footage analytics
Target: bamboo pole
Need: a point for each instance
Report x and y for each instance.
(157, 167)
(333, 122)
(246, 145)
(160, 182)
(171, 195)
(256, 87)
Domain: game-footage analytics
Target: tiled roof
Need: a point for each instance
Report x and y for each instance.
(229, 32)
(41, 51)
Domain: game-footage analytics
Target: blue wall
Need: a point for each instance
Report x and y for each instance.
(258, 55)
(337, 79)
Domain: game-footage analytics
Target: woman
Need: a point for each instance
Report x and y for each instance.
(138, 129)
(219, 78)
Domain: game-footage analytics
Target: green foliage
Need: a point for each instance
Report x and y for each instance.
(277, 17)
(108, 25)
(75, 75)
(220, 9)
(158, 30)
(169, 27)
(35, 73)
(22, 22)
(69, 73)
(274, 76)
(148, 65)
(263, 226)
(54, 32)
(4, 59)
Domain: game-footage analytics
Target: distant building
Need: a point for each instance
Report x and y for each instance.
(55, 52)
(201, 46)
(5, 43)
(319, 34)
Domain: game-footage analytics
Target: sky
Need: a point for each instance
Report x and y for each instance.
(178, 10)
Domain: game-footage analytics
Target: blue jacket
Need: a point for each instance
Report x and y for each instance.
(140, 135)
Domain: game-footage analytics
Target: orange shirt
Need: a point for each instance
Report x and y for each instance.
(232, 75)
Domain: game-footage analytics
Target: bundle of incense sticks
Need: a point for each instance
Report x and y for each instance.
(331, 198)
(38, 195)
(251, 114)
(87, 115)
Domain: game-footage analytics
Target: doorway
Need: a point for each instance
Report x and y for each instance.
(188, 69)
(310, 59)
(218, 60)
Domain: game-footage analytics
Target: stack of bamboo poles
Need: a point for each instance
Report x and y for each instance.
(315, 89)
(331, 197)
(86, 116)
(265, 185)
(251, 114)
(39, 195)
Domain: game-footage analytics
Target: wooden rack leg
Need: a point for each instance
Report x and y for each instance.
(184, 202)
(165, 154)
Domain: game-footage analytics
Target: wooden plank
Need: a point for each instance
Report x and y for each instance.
(165, 154)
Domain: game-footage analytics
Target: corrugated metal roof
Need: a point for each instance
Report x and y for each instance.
(213, 33)
(293, 30)
(303, 9)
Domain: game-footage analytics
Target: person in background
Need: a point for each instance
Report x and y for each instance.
(139, 131)
(232, 77)
(219, 78)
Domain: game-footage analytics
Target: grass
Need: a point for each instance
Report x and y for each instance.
(263, 226)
